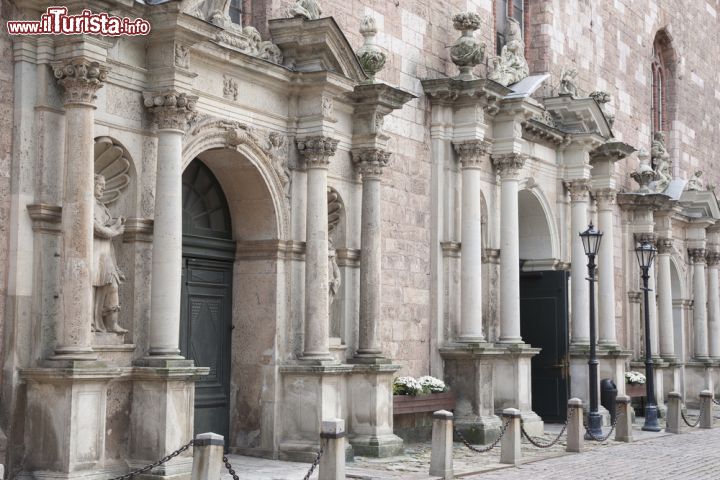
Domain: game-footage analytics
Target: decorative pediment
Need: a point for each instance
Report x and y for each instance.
(612, 151)
(700, 204)
(578, 115)
(315, 45)
(443, 90)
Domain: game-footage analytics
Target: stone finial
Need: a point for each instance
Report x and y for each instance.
(467, 51)
(567, 82)
(171, 109)
(644, 173)
(370, 161)
(660, 161)
(371, 57)
(81, 79)
(307, 9)
(511, 66)
(317, 150)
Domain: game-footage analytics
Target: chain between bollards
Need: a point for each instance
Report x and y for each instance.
(539, 444)
(483, 449)
(700, 416)
(316, 462)
(229, 468)
(156, 464)
(591, 436)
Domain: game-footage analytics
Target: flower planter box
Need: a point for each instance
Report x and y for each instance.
(635, 390)
(423, 403)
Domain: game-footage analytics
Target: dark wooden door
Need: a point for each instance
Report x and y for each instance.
(544, 324)
(206, 310)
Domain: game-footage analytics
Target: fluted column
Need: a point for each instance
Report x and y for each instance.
(607, 199)
(81, 79)
(578, 271)
(316, 152)
(664, 298)
(370, 163)
(470, 154)
(713, 304)
(697, 256)
(171, 111)
(508, 167)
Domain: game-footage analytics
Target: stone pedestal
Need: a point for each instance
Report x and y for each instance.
(580, 378)
(514, 391)
(612, 366)
(370, 416)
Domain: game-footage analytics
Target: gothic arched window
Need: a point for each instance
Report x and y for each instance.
(505, 9)
(659, 97)
(235, 11)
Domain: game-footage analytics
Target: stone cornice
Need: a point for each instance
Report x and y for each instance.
(448, 91)
(171, 109)
(45, 217)
(508, 165)
(613, 151)
(138, 230)
(269, 250)
(81, 79)
(471, 153)
(317, 150)
(370, 161)
(348, 257)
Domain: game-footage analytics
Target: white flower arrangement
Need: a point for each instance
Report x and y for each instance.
(634, 378)
(423, 385)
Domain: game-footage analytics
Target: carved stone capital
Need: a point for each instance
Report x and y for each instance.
(713, 259)
(472, 152)
(316, 151)
(697, 255)
(645, 237)
(578, 189)
(606, 198)
(81, 79)
(171, 109)
(664, 245)
(508, 165)
(370, 161)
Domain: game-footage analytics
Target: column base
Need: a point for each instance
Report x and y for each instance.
(471, 339)
(377, 445)
(317, 358)
(361, 359)
(71, 354)
(479, 431)
(506, 340)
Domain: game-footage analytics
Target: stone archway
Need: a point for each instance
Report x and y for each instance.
(538, 243)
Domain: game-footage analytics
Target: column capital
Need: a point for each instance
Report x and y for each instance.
(472, 152)
(664, 246)
(713, 259)
(171, 109)
(508, 165)
(370, 161)
(697, 255)
(316, 150)
(81, 79)
(606, 198)
(578, 188)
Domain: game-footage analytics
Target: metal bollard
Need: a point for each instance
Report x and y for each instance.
(623, 421)
(332, 462)
(674, 413)
(207, 456)
(706, 403)
(510, 443)
(575, 429)
(441, 455)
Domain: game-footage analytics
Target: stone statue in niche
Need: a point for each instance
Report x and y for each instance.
(660, 162)
(106, 276)
(308, 9)
(567, 82)
(334, 213)
(511, 66)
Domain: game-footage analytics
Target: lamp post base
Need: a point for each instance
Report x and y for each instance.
(651, 419)
(594, 426)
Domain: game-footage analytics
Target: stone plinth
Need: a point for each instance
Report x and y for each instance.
(514, 391)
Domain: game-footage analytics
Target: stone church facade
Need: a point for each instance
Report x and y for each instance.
(256, 216)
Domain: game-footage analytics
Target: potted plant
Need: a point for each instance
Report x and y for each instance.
(634, 384)
(424, 394)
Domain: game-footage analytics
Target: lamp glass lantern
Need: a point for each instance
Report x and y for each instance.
(591, 240)
(645, 254)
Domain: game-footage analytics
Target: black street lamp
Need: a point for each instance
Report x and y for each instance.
(591, 243)
(646, 254)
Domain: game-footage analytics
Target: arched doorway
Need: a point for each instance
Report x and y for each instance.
(206, 311)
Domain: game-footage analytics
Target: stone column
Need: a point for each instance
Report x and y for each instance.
(81, 79)
(700, 330)
(470, 154)
(713, 305)
(606, 199)
(664, 299)
(508, 167)
(316, 152)
(579, 302)
(171, 111)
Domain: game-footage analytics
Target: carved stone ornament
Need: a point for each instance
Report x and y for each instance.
(508, 165)
(545, 118)
(328, 107)
(112, 164)
(644, 174)
(170, 109)
(697, 255)
(307, 9)
(601, 97)
(511, 67)
(713, 259)
(472, 153)
(567, 82)
(277, 149)
(316, 151)
(230, 88)
(370, 161)
(371, 57)
(664, 246)
(248, 41)
(606, 198)
(335, 208)
(182, 54)
(467, 51)
(81, 79)
(694, 182)
(660, 160)
(578, 189)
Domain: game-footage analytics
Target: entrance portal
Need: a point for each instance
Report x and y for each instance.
(206, 312)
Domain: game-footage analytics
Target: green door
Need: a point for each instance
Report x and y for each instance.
(544, 324)
(206, 310)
